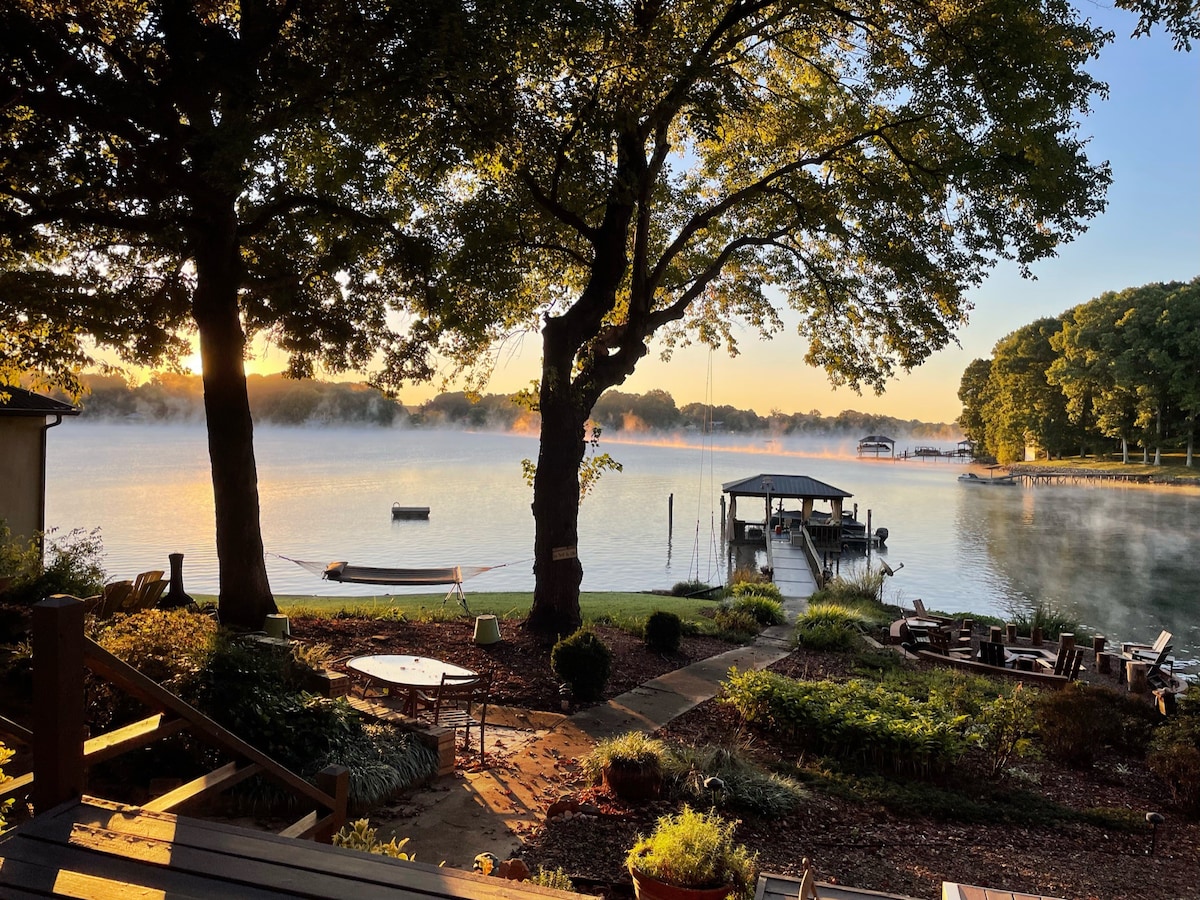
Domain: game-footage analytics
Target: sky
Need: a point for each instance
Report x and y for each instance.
(1149, 131)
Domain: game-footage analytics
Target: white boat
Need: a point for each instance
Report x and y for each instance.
(972, 478)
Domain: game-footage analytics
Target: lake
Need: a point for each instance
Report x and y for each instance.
(1118, 559)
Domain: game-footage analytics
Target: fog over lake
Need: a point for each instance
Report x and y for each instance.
(1119, 559)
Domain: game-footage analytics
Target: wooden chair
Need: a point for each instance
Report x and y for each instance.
(114, 598)
(1155, 654)
(940, 642)
(991, 653)
(921, 613)
(1067, 662)
(461, 702)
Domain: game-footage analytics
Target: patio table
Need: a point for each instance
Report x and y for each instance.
(407, 675)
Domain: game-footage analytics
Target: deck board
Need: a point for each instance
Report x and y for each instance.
(104, 849)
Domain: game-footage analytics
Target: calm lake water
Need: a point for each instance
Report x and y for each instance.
(1121, 560)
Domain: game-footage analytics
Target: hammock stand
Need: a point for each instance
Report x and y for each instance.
(345, 573)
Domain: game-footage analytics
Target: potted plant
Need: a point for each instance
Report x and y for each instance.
(630, 765)
(692, 856)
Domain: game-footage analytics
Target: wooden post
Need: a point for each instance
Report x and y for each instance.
(1066, 641)
(670, 515)
(57, 701)
(1011, 629)
(994, 632)
(1136, 672)
(1098, 642)
(334, 781)
(1104, 663)
(1035, 637)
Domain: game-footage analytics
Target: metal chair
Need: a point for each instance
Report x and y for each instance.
(461, 702)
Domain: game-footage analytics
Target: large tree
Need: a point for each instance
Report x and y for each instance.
(686, 168)
(220, 168)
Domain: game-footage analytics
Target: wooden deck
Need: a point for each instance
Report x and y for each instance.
(952, 891)
(99, 849)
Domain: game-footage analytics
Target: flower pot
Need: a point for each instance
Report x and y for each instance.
(646, 887)
(632, 781)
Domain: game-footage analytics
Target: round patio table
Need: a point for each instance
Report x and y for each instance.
(406, 675)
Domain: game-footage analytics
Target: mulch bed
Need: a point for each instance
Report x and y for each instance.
(852, 843)
(519, 663)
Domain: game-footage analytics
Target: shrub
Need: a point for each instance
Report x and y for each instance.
(1175, 756)
(166, 645)
(1052, 620)
(829, 626)
(663, 631)
(1073, 723)
(1002, 729)
(726, 779)
(757, 589)
(633, 748)
(860, 723)
(558, 879)
(738, 622)
(74, 565)
(696, 850)
(852, 590)
(362, 837)
(583, 661)
(765, 610)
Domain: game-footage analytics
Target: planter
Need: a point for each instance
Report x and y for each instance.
(632, 781)
(646, 887)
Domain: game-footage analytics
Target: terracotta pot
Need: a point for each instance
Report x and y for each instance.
(646, 887)
(632, 781)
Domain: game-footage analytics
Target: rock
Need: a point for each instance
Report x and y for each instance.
(513, 870)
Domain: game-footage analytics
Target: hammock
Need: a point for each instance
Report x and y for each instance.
(348, 574)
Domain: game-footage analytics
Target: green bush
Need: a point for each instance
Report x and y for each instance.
(584, 662)
(738, 622)
(362, 837)
(1003, 728)
(1175, 756)
(829, 626)
(696, 850)
(864, 724)
(1072, 724)
(1052, 620)
(765, 610)
(631, 749)
(663, 632)
(167, 645)
(558, 879)
(726, 779)
(73, 565)
(757, 589)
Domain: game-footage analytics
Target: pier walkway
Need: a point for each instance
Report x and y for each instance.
(792, 573)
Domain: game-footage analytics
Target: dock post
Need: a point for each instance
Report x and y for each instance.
(670, 515)
(870, 538)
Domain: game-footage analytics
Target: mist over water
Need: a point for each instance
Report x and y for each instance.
(1121, 560)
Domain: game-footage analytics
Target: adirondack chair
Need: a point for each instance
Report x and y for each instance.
(131, 596)
(1067, 663)
(991, 653)
(1156, 654)
(808, 883)
(940, 642)
(921, 613)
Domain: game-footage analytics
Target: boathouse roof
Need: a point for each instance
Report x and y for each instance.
(20, 402)
(876, 439)
(783, 486)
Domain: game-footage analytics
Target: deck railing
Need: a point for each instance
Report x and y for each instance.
(62, 753)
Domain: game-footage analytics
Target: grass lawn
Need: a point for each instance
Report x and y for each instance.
(616, 606)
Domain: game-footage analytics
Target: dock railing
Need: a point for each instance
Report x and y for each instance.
(61, 754)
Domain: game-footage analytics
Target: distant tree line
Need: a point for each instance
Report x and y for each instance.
(277, 400)
(1118, 371)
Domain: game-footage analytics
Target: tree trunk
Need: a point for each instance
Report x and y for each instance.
(245, 594)
(557, 568)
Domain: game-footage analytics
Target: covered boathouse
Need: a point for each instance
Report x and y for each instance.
(774, 490)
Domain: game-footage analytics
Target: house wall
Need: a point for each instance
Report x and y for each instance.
(21, 471)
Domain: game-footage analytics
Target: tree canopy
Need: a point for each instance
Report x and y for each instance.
(686, 170)
(1123, 367)
(225, 169)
